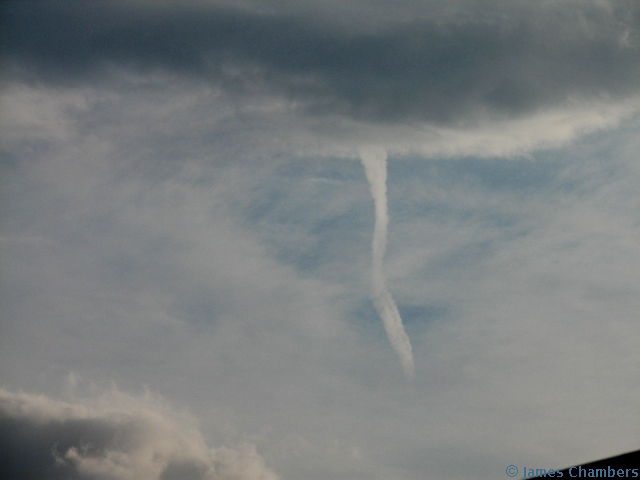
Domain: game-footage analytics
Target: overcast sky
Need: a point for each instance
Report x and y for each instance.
(186, 227)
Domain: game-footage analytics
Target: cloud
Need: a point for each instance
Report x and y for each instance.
(312, 78)
(113, 437)
(442, 65)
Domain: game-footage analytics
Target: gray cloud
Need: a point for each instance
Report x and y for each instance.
(112, 437)
(443, 65)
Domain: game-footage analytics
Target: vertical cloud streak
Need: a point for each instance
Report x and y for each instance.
(374, 161)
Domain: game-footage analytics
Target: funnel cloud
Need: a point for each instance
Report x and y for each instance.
(182, 208)
(374, 161)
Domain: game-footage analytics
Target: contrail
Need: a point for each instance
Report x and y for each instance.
(374, 161)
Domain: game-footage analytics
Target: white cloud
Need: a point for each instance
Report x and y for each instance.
(174, 264)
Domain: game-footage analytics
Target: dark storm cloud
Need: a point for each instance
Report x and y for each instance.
(115, 438)
(29, 447)
(428, 65)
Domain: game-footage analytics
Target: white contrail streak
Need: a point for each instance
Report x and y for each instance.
(374, 161)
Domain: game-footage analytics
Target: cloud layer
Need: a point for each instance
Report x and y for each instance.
(446, 65)
(436, 79)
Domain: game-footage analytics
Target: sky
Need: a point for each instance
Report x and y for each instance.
(286, 240)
